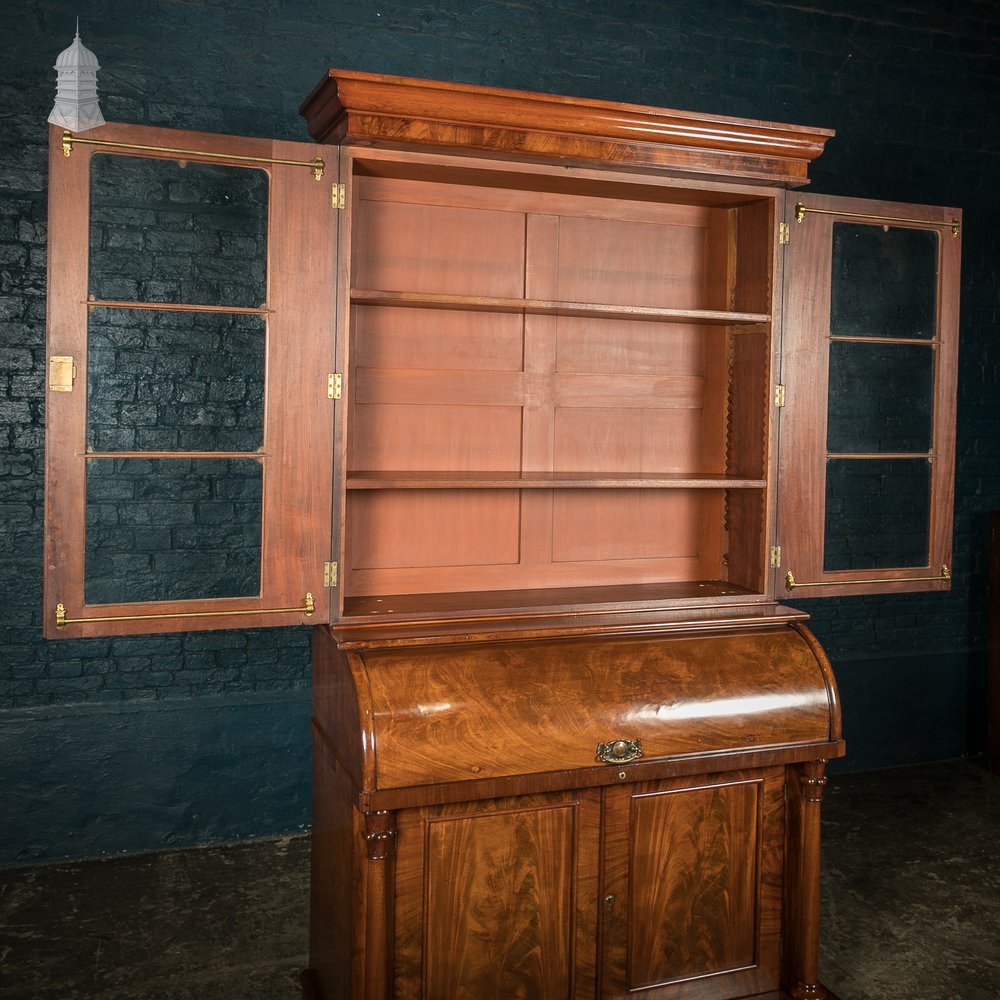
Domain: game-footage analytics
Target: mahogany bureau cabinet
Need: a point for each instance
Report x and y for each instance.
(538, 408)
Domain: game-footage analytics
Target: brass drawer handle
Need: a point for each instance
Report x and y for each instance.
(619, 751)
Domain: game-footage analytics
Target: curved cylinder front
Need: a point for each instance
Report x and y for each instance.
(457, 712)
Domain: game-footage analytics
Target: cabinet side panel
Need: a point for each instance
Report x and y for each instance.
(749, 404)
(745, 518)
(755, 241)
(340, 709)
(332, 921)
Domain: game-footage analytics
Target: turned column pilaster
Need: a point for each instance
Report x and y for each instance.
(802, 890)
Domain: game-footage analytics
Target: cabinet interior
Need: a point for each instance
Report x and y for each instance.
(558, 392)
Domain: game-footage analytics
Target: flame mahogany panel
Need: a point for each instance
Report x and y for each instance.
(497, 899)
(695, 868)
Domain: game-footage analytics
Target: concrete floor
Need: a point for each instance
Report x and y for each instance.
(911, 884)
(911, 906)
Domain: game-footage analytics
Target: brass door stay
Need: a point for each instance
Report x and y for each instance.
(792, 584)
(308, 608)
(801, 211)
(68, 139)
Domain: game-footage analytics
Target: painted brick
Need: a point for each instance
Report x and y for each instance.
(909, 87)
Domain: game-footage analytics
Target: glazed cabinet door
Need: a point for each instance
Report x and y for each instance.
(497, 899)
(189, 426)
(692, 890)
(869, 356)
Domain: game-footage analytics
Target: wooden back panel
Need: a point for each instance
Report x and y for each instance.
(452, 389)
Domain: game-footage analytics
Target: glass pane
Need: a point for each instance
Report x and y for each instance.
(168, 231)
(884, 281)
(172, 529)
(174, 381)
(877, 513)
(881, 397)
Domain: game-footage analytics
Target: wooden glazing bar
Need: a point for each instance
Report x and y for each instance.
(177, 307)
(919, 342)
(258, 455)
(862, 455)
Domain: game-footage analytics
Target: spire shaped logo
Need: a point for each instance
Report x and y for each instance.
(76, 106)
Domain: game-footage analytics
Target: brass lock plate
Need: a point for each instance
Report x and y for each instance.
(62, 372)
(619, 751)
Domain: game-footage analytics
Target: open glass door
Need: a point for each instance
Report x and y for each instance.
(869, 355)
(190, 337)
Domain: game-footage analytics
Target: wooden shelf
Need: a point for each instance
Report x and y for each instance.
(415, 624)
(551, 601)
(550, 307)
(544, 481)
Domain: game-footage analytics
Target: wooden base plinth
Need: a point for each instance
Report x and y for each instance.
(311, 990)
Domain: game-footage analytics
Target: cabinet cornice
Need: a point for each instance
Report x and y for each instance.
(373, 108)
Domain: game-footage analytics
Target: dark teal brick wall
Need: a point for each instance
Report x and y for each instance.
(909, 87)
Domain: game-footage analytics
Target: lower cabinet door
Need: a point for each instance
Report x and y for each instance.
(498, 899)
(692, 889)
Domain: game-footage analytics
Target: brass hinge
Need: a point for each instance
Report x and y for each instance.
(334, 385)
(338, 196)
(779, 395)
(775, 556)
(330, 574)
(62, 373)
(784, 234)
